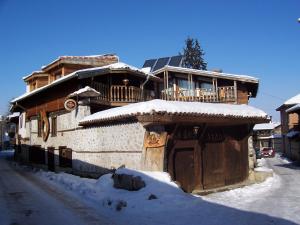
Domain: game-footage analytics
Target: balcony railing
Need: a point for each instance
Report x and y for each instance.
(122, 93)
(130, 94)
(223, 94)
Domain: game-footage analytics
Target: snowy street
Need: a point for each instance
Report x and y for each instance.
(280, 198)
(31, 196)
(24, 199)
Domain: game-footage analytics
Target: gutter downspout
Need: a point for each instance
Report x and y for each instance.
(143, 84)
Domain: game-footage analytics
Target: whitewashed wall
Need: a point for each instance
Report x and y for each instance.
(95, 148)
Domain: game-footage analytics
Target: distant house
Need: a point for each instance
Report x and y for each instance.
(193, 124)
(267, 135)
(290, 127)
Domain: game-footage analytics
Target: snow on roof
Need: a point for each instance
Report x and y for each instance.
(33, 73)
(294, 108)
(266, 126)
(293, 100)
(85, 92)
(176, 107)
(112, 67)
(273, 136)
(208, 73)
(76, 58)
(15, 114)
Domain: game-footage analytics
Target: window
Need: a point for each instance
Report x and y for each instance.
(39, 123)
(54, 126)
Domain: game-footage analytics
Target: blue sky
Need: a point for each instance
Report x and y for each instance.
(254, 37)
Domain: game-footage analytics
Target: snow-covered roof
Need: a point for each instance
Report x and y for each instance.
(13, 115)
(40, 72)
(178, 108)
(294, 108)
(85, 92)
(83, 72)
(96, 60)
(293, 100)
(266, 126)
(244, 78)
(273, 136)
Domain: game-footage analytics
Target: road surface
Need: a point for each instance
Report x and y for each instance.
(26, 200)
(282, 202)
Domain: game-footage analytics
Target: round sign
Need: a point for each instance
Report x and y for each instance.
(70, 104)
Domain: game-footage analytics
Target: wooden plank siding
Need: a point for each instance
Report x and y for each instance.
(217, 159)
(50, 100)
(242, 94)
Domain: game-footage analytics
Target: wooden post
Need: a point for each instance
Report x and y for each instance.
(235, 92)
(165, 88)
(167, 82)
(216, 83)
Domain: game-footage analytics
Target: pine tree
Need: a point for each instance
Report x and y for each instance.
(193, 55)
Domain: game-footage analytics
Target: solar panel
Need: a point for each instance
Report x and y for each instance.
(149, 63)
(176, 60)
(157, 64)
(161, 62)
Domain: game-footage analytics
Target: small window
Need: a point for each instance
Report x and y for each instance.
(39, 121)
(54, 126)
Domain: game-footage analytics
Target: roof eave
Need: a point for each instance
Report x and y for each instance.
(165, 118)
(205, 73)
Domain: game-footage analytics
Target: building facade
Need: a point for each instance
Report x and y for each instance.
(193, 119)
(290, 127)
(267, 135)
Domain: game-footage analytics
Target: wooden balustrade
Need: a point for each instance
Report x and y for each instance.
(130, 94)
(223, 94)
(226, 94)
(121, 93)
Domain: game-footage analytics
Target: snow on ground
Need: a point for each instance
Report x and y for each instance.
(262, 166)
(7, 153)
(248, 194)
(170, 205)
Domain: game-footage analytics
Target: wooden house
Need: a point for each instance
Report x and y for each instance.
(185, 121)
(290, 127)
(267, 135)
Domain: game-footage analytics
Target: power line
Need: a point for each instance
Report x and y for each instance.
(273, 96)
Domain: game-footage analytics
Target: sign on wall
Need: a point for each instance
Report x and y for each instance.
(70, 104)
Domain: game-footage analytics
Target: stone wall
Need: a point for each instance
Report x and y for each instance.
(96, 149)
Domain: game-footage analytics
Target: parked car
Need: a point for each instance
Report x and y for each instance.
(268, 152)
(257, 153)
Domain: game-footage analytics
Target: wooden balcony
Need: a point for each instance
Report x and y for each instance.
(225, 94)
(117, 95)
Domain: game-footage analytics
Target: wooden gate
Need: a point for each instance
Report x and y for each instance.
(217, 157)
(51, 159)
(213, 165)
(184, 164)
(184, 168)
